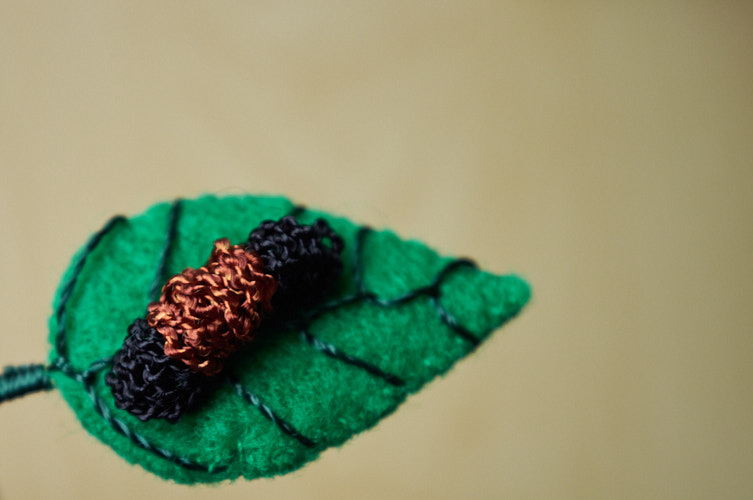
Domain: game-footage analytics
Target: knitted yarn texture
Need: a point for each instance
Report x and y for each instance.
(395, 317)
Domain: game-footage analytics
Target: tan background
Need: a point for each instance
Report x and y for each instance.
(602, 149)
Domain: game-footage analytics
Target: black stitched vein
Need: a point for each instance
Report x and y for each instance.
(159, 276)
(358, 257)
(67, 291)
(452, 322)
(334, 352)
(122, 428)
(431, 290)
(267, 412)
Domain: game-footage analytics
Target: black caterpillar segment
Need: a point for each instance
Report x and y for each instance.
(147, 383)
(303, 259)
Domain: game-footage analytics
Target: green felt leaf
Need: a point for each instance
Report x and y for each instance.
(293, 393)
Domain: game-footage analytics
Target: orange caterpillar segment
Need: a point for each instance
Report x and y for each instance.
(207, 314)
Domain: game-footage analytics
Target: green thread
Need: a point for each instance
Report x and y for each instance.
(17, 381)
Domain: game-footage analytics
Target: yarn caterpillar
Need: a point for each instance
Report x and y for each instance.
(169, 360)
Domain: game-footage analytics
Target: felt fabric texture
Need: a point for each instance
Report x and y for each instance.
(319, 396)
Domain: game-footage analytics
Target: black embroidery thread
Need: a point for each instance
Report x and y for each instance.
(67, 290)
(432, 290)
(265, 410)
(333, 352)
(159, 276)
(119, 426)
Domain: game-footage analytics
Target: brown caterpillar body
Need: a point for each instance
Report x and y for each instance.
(207, 314)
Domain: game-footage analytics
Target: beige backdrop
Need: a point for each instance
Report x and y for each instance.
(602, 149)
